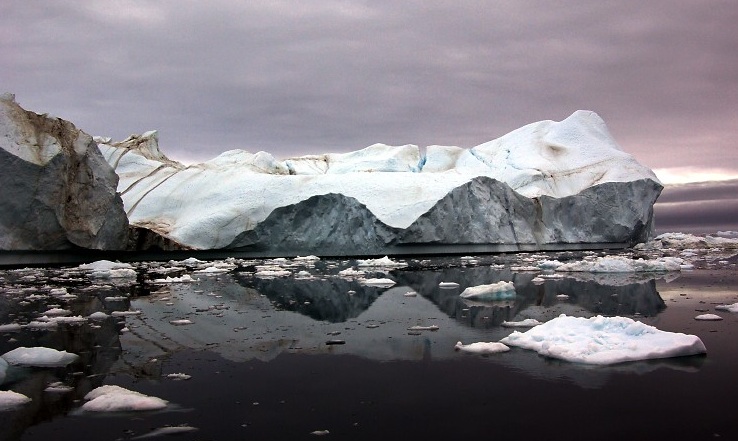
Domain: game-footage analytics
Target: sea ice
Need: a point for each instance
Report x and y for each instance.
(730, 308)
(10, 400)
(105, 269)
(708, 317)
(604, 340)
(621, 264)
(448, 285)
(384, 262)
(39, 357)
(111, 398)
(527, 323)
(381, 283)
(482, 347)
(494, 291)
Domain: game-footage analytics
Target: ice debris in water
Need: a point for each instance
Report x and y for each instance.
(527, 323)
(11, 400)
(448, 285)
(494, 291)
(167, 430)
(708, 317)
(730, 308)
(39, 357)
(111, 398)
(482, 347)
(179, 376)
(104, 269)
(604, 340)
(183, 279)
(616, 264)
(384, 262)
(381, 283)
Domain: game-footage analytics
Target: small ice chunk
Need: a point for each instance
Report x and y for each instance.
(381, 283)
(39, 356)
(57, 312)
(58, 387)
(99, 315)
(111, 398)
(11, 327)
(494, 291)
(384, 262)
(730, 308)
(184, 279)
(708, 317)
(179, 376)
(11, 400)
(482, 347)
(125, 313)
(423, 328)
(181, 322)
(527, 323)
(448, 285)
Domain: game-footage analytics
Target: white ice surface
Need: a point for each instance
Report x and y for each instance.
(730, 308)
(10, 400)
(482, 347)
(617, 264)
(39, 357)
(494, 291)
(604, 340)
(112, 398)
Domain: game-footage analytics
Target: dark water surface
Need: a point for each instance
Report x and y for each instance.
(261, 369)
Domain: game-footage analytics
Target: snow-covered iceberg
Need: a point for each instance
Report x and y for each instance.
(604, 340)
(546, 185)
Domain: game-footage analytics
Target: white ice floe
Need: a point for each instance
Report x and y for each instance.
(729, 308)
(11, 327)
(604, 340)
(448, 285)
(308, 259)
(380, 283)
(212, 270)
(10, 400)
(179, 376)
(423, 328)
(494, 291)
(125, 313)
(105, 269)
(350, 272)
(271, 273)
(384, 262)
(621, 264)
(57, 312)
(181, 322)
(39, 357)
(183, 279)
(482, 347)
(527, 323)
(99, 315)
(684, 240)
(58, 388)
(708, 317)
(112, 398)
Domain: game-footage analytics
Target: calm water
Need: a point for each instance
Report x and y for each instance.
(261, 368)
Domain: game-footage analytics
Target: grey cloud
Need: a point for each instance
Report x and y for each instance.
(336, 76)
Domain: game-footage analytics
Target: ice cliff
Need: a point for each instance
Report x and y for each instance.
(56, 190)
(547, 185)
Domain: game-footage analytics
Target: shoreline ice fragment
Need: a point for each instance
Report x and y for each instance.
(482, 347)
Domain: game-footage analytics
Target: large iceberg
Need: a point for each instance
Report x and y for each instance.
(547, 185)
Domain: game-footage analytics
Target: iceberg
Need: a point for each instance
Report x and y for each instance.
(547, 185)
(56, 190)
(604, 340)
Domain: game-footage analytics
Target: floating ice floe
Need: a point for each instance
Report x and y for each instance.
(448, 285)
(527, 323)
(105, 269)
(112, 398)
(212, 270)
(57, 312)
(604, 340)
(10, 400)
(350, 272)
(729, 308)
(482, 347)
(384, 262)
(183, 279)
(181, 322)
(494, 291)
(58, 387)
(684, 240)
(125, 313)
(39, 357)
(11, 327)
(179, 376)
(99, 315)
(423, 328)
(708, 317)
(380, 283)
(620, 264)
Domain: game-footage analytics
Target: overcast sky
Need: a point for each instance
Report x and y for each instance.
(318, 76)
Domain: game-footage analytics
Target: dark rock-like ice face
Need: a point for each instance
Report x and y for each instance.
(56, 190)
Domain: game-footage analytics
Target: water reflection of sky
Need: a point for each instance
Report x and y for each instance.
(242, 317)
